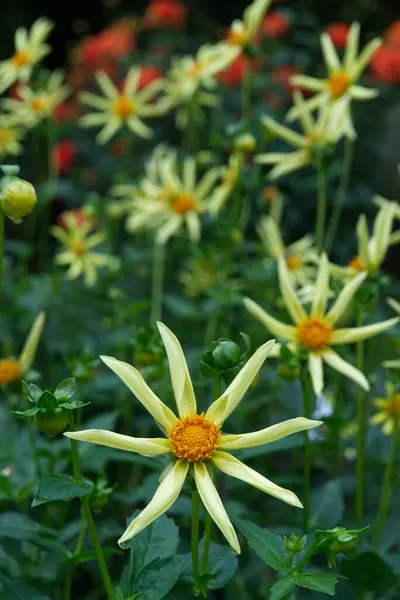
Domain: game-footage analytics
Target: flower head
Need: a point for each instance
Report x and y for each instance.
(316, 333)
(194, 439)
(389, 410)
(30, 49)
(11, 133)
(121, 108)
(13, 369)
(17, 198)
(165, 13)
(78, 254)
(275, 25)
(243, 32)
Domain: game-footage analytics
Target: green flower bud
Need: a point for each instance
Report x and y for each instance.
(295, 544)
(289, 372)
(18, 198)
(226, 354)
(51, 422)
(245, 143)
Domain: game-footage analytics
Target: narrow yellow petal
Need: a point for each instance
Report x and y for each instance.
(292, 303)
(102, 437)
(29, 350)
(281, 330)
(356, 334)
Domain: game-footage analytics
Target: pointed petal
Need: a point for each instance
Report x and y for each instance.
(363, 239)
(330, 56)
(394, 304)
(166, 494)
(29, 350)
(281, 330)
(309, 83)
(146, 446)
(180, 376)
(220, 410)
(365, 57)
(235, 468)
(351, 51)
(280, 131)
(382, 231)
(213, 503)
(355, 334)
(361, 93)
(321, 288)
(168, 229)
(106, 85)
(345, 297)
(270, 236)
(316, 371)
(267, 435)
(292, 303)
(135, 382)
(337, 363)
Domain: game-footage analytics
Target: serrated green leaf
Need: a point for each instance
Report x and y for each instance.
(268, 546)
(73, 405)
(368, 572)
(60, 487)
(320, 582)
(66, 389)
(282, 588)
(159, 576)
(222, 563)
(47, 401)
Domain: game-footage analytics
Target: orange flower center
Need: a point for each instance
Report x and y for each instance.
(238, 38)
(194, 438)
(194, 70)
(356, 264)
(270, 194)
(5, 136)
(183, 203)
(39, 104)
(293, 262)
(314, 334)
(338, 83)
(124, 107)
(78, 247)
(393, 406)
(21, 58)
(10, 371)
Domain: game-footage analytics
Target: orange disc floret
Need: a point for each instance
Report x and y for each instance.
(393, 406)
(183, 203)
(293, 262)
(39, 104)
(194, 438)
(339, 83)
(355, 264)
(124, 107)
(78, 247)
(21, 58)
(314, 334)
(238, 37)
(10, 371)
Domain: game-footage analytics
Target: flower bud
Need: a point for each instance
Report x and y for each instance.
(294, 544)
(18, 198)
(51, 422)
(245, 143)
(226, 354)
(288, 372)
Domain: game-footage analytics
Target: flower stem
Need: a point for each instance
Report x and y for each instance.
(88, 516)
(321, 207)
(247, 94)
(195, 533)
(384, 503)
(1, 248)
(361, 421)
(341, 194)
(158, 282)
(306, 387)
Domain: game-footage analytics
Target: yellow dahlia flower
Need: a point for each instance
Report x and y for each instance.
(242, 32)
(30, 49)
(340, 87)
(389, 410)
(316, 333)
(78, 254)
(11, 134)
(117, 109)
(13, 369)
(193, 440)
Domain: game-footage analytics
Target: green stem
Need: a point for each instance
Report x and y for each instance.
(384, 503)
(195, 534)
(88, 516)
(192, 130)
(321, 207)
(341, 194)
(247, 94)
(71, 569)
(1, 249)
(361, 421)
(313, 549)
(158, 282)
(306, 387)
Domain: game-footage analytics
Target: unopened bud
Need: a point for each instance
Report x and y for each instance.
(245, 143)
(226, 354)
(288, 372)
(294, 544)
(51, 422)
(18, 198)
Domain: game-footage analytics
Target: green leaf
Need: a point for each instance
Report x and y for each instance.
(282, 588)
(66, 389)
(368, 572)
(35, 392)
(73, 405)
(268, 546)
(60, 487)
(321, 582)
(25, 414)
(47, 401)
(159, 576)
(20, 527)
(18, 590)
(327, 506)
(222, 563)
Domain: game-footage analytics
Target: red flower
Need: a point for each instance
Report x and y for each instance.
(148, 74)
(275, 25)
(165, 13)
(234, 73)
(392, 34)
(67, 111)
(78, 215)
(106, 46)
(338, 33)
(385, 64)
(64, 155)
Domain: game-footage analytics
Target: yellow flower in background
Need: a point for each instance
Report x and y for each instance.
(301, 257)
(35, 105)
(13, 369)
(229, 177)
(389, 410)
(319, 132)
(242, 32)
(11, 134)
(340, 86)
(316, 333)
(395, 363)
(30, 49)
(170, 196)
(194, 439)
(78, 254)
(117, 109)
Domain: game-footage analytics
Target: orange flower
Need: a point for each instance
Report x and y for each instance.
(148, 74)
(338, 33)
(275, 25)
(392, 34)
(165, 13)
(64, 155)
(108, 45)
(233, 75)
(385, 64)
